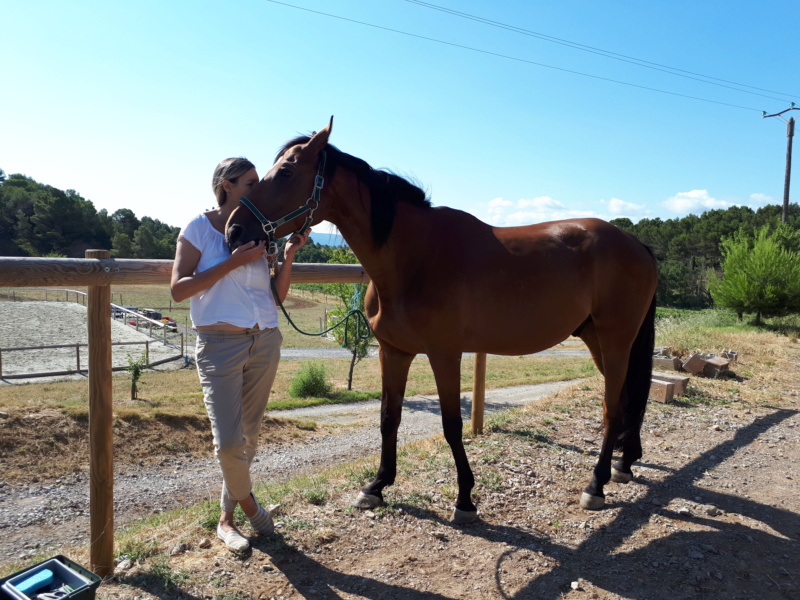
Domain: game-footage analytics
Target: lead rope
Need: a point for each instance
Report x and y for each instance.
(354, 311)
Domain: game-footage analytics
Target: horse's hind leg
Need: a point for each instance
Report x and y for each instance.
(394, 371)
(447, 371)
(615, 367)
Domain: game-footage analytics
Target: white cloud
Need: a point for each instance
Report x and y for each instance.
(620, 207)
(693, 202)
(759, 200)
(525, 211)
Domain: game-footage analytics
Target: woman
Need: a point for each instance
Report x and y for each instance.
(238, 341)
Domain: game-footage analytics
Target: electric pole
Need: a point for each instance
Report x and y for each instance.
(788, 178)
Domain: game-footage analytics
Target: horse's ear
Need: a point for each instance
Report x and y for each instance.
(320, 138)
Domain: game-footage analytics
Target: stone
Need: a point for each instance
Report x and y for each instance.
(694, 364)
(670, 363)
(661, 391)
(681, 381)
(715, 366)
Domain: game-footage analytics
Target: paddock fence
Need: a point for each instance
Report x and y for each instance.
(82, 367)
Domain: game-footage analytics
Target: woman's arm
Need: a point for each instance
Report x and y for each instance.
(283, 276)
(185, 283)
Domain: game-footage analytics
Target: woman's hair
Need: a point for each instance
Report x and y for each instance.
(229, 169)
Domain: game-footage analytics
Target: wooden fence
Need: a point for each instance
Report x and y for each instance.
(79, 366)
(99, 272)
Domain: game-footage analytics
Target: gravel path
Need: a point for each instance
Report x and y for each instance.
(48, 516)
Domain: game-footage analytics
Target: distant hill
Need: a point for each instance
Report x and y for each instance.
(328, 239)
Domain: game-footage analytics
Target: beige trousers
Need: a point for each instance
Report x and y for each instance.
(237, 370)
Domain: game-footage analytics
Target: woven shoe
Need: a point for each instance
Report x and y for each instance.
(233, 539)
(262, 520)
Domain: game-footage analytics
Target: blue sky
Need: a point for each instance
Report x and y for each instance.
(133, 104)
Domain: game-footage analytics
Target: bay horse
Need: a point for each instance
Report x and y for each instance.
(444, 283)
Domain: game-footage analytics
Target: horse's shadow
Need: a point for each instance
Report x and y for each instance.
(598, 559)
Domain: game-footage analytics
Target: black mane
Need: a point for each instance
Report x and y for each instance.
(385, 188)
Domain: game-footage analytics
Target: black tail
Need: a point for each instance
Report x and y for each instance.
(640, 373)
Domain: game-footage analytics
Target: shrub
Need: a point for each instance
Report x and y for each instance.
(310, 382)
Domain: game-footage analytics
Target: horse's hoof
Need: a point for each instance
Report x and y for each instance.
(589, 502)
(367, 501)
(464, 517)
(620, 476)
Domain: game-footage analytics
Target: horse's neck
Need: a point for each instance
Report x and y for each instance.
(403, 250)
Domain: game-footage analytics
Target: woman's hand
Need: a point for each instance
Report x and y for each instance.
(294, 243)
(249, 252)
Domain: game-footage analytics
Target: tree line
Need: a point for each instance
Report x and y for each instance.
(690, 251)
(39, 220)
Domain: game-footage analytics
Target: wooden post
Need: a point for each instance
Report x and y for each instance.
(78, 358)
(101, 453)
(478, 392)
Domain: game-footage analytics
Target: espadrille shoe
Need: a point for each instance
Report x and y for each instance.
(262, 520)
(233, 539)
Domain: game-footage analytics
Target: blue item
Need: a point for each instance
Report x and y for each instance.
(36, 581)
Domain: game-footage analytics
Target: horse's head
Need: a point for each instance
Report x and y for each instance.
(293, 182)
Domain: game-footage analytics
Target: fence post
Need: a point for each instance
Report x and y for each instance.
(147, 352)
(78, 358)
(101, 455)
(478, 392)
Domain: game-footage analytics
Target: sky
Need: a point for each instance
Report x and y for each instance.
(517, 111)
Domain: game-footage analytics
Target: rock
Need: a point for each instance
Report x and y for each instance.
(123, 567)
(205, 543)
(696, 555)
(661, 391)
(179, 548)
(694, 364)
(711, 510)
(715, 366)
(575, 585)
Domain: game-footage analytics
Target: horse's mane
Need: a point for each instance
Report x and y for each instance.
(385, 187)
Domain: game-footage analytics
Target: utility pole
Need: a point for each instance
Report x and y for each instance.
(788, 177)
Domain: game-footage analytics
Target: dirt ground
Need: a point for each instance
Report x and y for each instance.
(713, 512)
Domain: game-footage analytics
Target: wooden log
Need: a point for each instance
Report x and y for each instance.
(101, 457)
(41, 272)
(478, 392)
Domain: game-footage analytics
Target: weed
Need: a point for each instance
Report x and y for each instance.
(310, 382)
(138, 550)
(491, 480)
(232, 596)
(499, 420)
(163, 574)
(316, 490)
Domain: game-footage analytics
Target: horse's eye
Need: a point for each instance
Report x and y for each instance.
(284, 172)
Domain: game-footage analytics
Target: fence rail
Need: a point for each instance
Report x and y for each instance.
(78, 368)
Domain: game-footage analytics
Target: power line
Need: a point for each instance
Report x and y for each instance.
(507, 57)
(608, 54)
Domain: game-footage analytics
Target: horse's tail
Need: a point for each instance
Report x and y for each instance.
(640, 372)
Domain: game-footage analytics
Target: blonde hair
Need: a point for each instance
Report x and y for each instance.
(229, 169)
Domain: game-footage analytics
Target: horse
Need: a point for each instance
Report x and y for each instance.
(443, 283)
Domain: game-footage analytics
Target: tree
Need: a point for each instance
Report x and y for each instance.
(355, 334)
(761, 275)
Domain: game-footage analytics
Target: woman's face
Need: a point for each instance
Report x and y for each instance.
(244, 184)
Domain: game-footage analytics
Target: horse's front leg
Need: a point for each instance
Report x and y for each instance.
(394, 371)
(447, 371)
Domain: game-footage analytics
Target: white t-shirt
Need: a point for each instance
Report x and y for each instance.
(242, 298)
